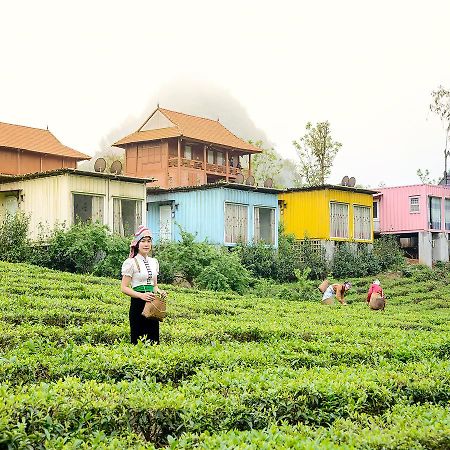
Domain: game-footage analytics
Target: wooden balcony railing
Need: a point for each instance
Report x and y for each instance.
(216, 169)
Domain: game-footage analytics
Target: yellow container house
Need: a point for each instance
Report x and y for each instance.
(328, 214)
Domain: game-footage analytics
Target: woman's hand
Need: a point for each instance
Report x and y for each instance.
(161, 293)
(147, 296)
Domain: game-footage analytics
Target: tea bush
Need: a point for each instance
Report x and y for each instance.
(14, 245)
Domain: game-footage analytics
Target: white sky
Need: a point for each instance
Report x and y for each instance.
(85, 68)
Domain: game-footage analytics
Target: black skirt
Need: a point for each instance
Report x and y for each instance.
(140, 326)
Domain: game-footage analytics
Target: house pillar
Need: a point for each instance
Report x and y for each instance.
(440, 250)
(204, 163)
(227, 166)
(179, 162)
(425, 249)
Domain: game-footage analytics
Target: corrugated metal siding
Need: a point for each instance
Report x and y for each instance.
(45, 200)
(202, 211)
(395, 215)
(49, 200)
(307, 212)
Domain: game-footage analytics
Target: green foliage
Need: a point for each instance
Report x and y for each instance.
(207, 266)
(82, 248)
(231, 371)
(316, 151)
(14, 245)
(267, 164)
(288, 259)
(260, 259)
(77, 249)
(362, 262)
(224, 273)
(186, 257)
(388, 253)
(313, 259)
(116, 250)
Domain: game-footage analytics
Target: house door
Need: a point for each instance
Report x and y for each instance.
(165, 223)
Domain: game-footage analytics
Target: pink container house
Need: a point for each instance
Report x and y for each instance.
(419, 216)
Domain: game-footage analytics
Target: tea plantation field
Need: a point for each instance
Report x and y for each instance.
(231, 372)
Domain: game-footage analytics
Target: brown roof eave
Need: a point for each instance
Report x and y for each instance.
(187, 138)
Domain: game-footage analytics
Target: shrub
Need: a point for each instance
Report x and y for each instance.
(116, 251)
(288, 258)
(260, 259)
(313, 259)
(77, 249)
(388, 253)
(14, 245)
(224, 273)
(186, 257)
(344, 263)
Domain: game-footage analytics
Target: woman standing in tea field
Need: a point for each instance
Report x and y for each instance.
(140, 271)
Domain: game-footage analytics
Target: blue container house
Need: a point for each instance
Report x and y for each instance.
(222, 213)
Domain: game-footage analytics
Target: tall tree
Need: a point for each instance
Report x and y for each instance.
(267, 164)
(424, 176)
(440, 105)
(316, 151)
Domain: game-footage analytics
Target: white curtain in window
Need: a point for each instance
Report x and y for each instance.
(236, 223)
(435, 213)
(117, 216)
(339, 220)
(97, 209)
(361, 222)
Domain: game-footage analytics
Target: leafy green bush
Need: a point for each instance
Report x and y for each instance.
(14, 246)
(260, 259)
(79, 248)
(388, 253)
(206, 265)
(288, 258)
(116, 251)
(313, 259)
(186, 257)
(225, 273)
(344, 263)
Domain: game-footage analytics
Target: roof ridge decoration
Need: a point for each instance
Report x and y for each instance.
(191, 127)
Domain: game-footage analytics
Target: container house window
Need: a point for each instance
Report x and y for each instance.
(187, 152)
(339, 220)
(447, 213)
(210, 156)
(362, 228)
(127, 216)
(435, 213)
(375, 210)
(220, 159)
(413, 204)
(87, 208)
(264, 219)
(236, 223)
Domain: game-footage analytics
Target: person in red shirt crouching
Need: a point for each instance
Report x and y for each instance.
(375, 296)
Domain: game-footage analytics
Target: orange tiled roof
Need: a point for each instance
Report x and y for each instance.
(193, 127)
(35, 140)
